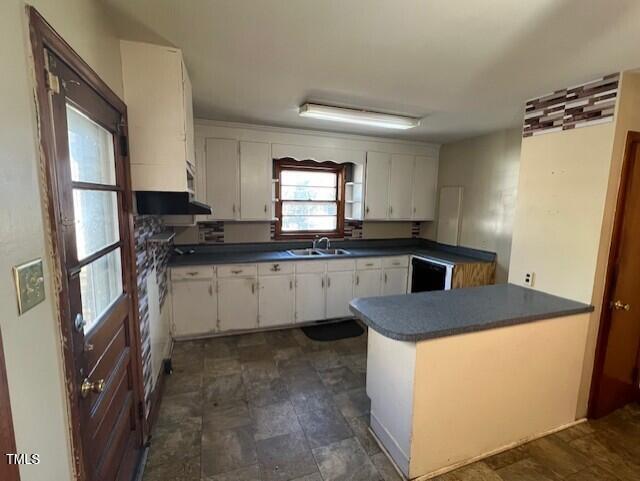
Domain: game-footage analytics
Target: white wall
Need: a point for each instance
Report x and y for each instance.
(32, 341)
(487, 168)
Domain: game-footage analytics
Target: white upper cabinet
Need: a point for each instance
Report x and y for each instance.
(255, 181)
(400, 186)
(157, 91)
(222, 178)
(377, 186)
(425, 187)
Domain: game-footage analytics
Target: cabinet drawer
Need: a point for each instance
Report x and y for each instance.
(195, 272)
(399, 261)
(341, 265)
(272, 268)
(370, 263)
(238, 270)
(310, 266)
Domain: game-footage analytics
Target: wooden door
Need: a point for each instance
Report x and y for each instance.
(194, 318)
(310, 297)
(255, 180)
(377, 186)
(8, 472)
(222, 178)
(237, 303)
(401, 186)
(425, 184)
(394, 281)
(84, 143)
(339, 294)
(616, 374)
(276, 300)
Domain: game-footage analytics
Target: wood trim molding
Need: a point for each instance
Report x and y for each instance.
(43, 36)
(8, 472)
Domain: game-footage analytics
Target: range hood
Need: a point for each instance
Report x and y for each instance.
(169, 203)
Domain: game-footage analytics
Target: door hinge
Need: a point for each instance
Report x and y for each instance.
(635, 375)
(53, 83)
(141, 410)
(124, 144)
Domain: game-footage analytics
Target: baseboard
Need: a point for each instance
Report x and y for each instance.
(156, 399)
(389, 445)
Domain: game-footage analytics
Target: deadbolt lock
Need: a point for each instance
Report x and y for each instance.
(88, 387)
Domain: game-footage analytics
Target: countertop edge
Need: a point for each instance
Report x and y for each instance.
(467, 329)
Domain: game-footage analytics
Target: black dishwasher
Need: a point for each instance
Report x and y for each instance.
(427, 275)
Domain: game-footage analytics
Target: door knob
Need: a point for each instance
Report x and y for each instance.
(619, 306)
(88, 387)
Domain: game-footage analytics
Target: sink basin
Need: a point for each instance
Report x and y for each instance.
(333, 252)
(317, 252)
(304, 252)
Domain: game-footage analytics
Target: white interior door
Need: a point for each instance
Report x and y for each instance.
(237, 303)
(425, 184)
(400, 186)
(377, 186)
(255, 180)
(394, 281)
(222, 178)
(368, 283)
(276, 302)
(193, 318)
(339, 294)
(310, 297)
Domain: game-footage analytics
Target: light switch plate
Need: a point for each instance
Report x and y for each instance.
(29, 279)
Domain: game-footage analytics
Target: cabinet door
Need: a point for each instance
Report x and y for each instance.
(394, 281)
(310, 297)
(368, 283)
(237, 303)
(193, 318)
(222, 178)
(400, 186)
(255, 180)
(339, 294)
(276, 301)
(425, 185)
(188, 116)
(377, 186)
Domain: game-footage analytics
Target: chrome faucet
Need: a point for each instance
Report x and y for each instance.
(317, 241)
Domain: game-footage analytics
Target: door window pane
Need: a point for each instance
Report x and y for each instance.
(90, 150)
(100, 286)
(96, 216)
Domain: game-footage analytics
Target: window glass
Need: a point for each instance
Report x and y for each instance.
(100, 286)
(96, 216)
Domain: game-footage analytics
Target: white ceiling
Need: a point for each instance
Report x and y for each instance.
(467, 66)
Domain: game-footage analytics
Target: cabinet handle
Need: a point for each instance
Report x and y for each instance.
(385, 277)
(238, 271)
(328, 281)
(253, 288)
(192, 273)
(265, 208)
(390, 210)
(414, 210)
(233, 208)
(290, 285)
(357, 280)
(367, 210)
(322, 282)
(210, 290)
(369, 264)
(275, 268)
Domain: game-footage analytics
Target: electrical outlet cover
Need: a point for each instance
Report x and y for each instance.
(29, 279)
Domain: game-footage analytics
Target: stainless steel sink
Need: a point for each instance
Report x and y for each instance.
(304, 252)
(333, 252)
(317, 252)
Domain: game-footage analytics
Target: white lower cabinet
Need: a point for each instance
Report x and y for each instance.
(192, 318)
(237, 303)
(394, 281)
(276, 300)
(310, 297)
(339, 294)
(368, 283)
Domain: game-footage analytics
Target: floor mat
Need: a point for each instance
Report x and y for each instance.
(333, 331)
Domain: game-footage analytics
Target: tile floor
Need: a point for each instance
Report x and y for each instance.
(277, 406)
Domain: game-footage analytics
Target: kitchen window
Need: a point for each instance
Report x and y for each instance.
(310, 199)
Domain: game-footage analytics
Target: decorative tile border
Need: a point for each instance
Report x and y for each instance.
(415, 230)
(211, 232)
(147, 257)
(580, 106)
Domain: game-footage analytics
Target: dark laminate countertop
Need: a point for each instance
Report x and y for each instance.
(428, 315)
(277, 252)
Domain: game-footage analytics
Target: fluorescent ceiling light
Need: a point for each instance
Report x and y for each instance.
(362, 117)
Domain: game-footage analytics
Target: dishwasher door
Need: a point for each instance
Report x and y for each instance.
(427, 275)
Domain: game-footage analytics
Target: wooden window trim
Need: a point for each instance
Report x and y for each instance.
(311, 166)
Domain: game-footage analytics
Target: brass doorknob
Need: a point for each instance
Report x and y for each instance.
(91, 386)
(619, 306)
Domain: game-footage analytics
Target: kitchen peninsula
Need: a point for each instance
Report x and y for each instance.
(454, 376)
